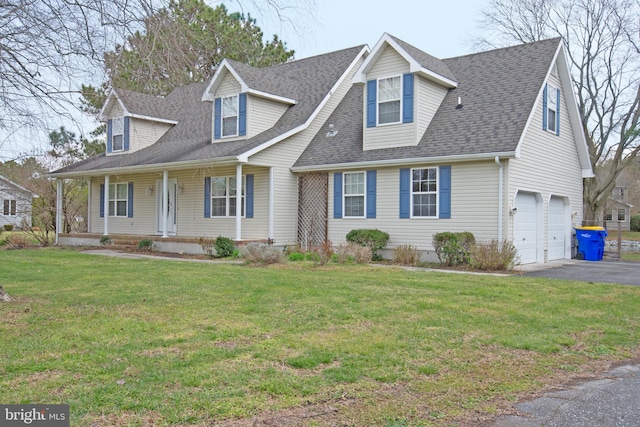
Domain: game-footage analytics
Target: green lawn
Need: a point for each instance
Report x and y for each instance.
(148, 342)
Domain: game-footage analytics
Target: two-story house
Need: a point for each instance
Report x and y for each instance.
(389, 138)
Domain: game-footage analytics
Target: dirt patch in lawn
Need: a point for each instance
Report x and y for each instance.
(404, 402)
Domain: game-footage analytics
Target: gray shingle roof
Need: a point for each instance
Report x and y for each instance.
(498, 90)
(427, 61)
(307, 80)
(147, 105)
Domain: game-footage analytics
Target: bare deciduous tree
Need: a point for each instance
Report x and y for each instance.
(48, 47)
(603, 47)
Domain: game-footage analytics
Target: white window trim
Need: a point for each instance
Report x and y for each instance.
(13, 202)
(378, 100)
(345, 195)
(115, 200)
(437, 193)
(551, 88)
(222, 116)
(624, 214)
(114, 134)
(227, 197)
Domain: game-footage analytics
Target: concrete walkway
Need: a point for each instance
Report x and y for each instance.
(137, 255)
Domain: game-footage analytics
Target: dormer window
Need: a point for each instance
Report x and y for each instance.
(230, 116)
(118, 134)
(389, 94)
(390, 100)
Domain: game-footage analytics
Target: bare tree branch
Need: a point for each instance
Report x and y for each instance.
(603, 48)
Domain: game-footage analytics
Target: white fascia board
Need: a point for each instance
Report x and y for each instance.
(414, 66)
(361, 75)
(434, 77)
(572, 110)
(108, 104)
(271, 96)
(406, 162)
(245, 156)
(153, 119)
(217, 78)
(155, 167)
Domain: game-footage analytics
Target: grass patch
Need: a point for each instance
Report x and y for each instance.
(140, 342)
(626, 235)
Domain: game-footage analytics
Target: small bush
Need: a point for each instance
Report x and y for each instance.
(371, 238)
(635, 223)
(208, 246)
(493, 255)
(224, 247)
(105, 240)
(17, 241)
(323, 253)
(406, 255)
(297, 256)
(352, 252)
(145, 245)
(453, 248)
(261, 253)
(8, 227)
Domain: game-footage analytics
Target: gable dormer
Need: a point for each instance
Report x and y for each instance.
(242, 108)
(134, 121)
(403, 88)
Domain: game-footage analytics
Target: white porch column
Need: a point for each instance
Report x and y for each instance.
(165, 202)
(58, 209)
(271, 203)
(239, 202)
(106, 206)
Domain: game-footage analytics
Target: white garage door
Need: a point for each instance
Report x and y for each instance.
(525, 231)
(557, 224)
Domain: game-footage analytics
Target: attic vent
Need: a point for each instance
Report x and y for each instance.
(554, 70)
(332, 131)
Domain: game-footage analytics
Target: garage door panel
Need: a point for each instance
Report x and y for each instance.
(556, 229)
(526, 227)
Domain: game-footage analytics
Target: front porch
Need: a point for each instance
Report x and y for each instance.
(178, 245)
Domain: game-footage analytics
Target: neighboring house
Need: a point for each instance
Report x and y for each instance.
(618, 210)
(392, 138)
(15, 204)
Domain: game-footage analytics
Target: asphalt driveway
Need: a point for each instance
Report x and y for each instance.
(605, 271)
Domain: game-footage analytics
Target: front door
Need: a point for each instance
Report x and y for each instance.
(171, 206)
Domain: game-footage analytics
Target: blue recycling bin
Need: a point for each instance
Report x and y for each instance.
(591, 242)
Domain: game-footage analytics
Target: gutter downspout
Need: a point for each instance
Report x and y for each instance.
(271, 203)
(500, 198)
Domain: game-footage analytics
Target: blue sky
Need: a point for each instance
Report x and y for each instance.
(443, 29)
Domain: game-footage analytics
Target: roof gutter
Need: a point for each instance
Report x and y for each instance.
(405, 162)
(155, 167)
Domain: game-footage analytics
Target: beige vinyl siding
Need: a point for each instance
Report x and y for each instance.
(144, 207)
(284, 154)
(262, 114)
(389, 64)
(428, 97)
(143, 133)
(116, 110)
(548, 164)
(190, 205)
(474, 208)
(228, 86)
